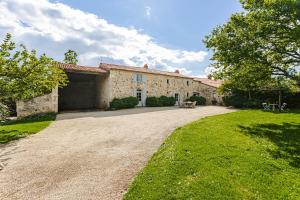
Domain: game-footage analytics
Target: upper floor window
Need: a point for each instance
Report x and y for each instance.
(167, 81)
(187, 83)
(139, 78)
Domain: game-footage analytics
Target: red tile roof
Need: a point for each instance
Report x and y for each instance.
(79, 68)
(209, 82)
(106, 66)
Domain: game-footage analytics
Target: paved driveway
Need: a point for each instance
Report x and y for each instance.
(92, 155)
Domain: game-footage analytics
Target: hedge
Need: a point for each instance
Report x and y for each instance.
(199, 99)
(240, 99)
(127, 102)
(160, 101)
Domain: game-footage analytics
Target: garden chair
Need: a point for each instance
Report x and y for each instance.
(266, 106)
(194, 104)
(283, 107)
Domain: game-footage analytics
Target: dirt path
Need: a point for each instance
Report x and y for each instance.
(93, 155)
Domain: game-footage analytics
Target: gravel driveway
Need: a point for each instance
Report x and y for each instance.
(89, 155)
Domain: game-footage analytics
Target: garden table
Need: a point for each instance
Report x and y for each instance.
(187, 104)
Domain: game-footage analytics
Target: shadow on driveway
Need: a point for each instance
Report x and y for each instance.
(100, 114)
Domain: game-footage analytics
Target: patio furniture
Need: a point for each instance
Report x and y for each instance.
(273, 106)
(283, 107)
(265, 106)
(194, 104)
(188, 104)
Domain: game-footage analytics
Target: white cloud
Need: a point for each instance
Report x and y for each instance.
(55, 27)
(148, 11)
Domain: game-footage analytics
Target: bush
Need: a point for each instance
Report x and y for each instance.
(199, 99)
(152, 102)
(11, 105)
(4, 112)
(127, 102)
(160, 101)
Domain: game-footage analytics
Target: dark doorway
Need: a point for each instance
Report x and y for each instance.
(80, 93)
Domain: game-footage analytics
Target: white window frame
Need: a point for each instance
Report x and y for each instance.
(139, 94)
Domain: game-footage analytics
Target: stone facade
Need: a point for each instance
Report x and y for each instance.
(115, 81)
(126, 83)
(42, 104)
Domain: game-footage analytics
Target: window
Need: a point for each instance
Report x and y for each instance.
(139, 78)
(176, 97)
(187, 83)
(196, 94)
(167, 81)
(187, 94)
(139, 94)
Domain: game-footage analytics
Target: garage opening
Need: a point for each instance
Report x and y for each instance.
(80, 93)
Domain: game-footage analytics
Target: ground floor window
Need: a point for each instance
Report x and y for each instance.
(196, 94)
(139, 94)
(176, 97)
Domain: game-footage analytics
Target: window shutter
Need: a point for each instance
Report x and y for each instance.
(144, 96)
(134, 77)
(144, 77)
(134, 92)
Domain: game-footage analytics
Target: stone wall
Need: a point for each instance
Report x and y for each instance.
(124, 84)
(209, 92)
(42, 104)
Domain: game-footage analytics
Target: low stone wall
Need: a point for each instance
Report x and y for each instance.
(42, 104)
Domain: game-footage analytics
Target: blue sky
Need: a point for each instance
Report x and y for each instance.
(169, 32)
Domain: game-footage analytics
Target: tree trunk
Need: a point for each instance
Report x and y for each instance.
(249, 95)
(279, 99)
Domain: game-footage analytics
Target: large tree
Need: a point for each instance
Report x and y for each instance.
(24, 75)
(71, 57)
(258, 45)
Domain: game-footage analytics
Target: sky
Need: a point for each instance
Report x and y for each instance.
(165, 34)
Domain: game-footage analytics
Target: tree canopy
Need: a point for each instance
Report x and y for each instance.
(24, 75)
(258, 45)
(71, 57)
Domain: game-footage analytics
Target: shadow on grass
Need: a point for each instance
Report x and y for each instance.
(285, 136)
(30, 119)
(9, 135)
(289, 111)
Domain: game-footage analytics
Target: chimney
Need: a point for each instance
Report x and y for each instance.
(177, 71)
(146, 66)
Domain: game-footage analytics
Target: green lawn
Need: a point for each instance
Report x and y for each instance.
(15, 129)
(243, 155)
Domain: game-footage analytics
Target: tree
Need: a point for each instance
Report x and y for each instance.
(24, 75)
(258, 45)
(71, 57)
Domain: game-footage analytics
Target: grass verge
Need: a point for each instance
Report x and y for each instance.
(248, 154)
(15, 129)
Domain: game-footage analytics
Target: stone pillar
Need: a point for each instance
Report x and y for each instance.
(103, 92)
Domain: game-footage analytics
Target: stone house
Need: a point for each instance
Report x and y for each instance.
(96, 87)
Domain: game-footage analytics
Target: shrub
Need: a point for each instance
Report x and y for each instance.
(199, 99)
(127, 102)
(152, 102)
(4, 112)
(160, 101)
